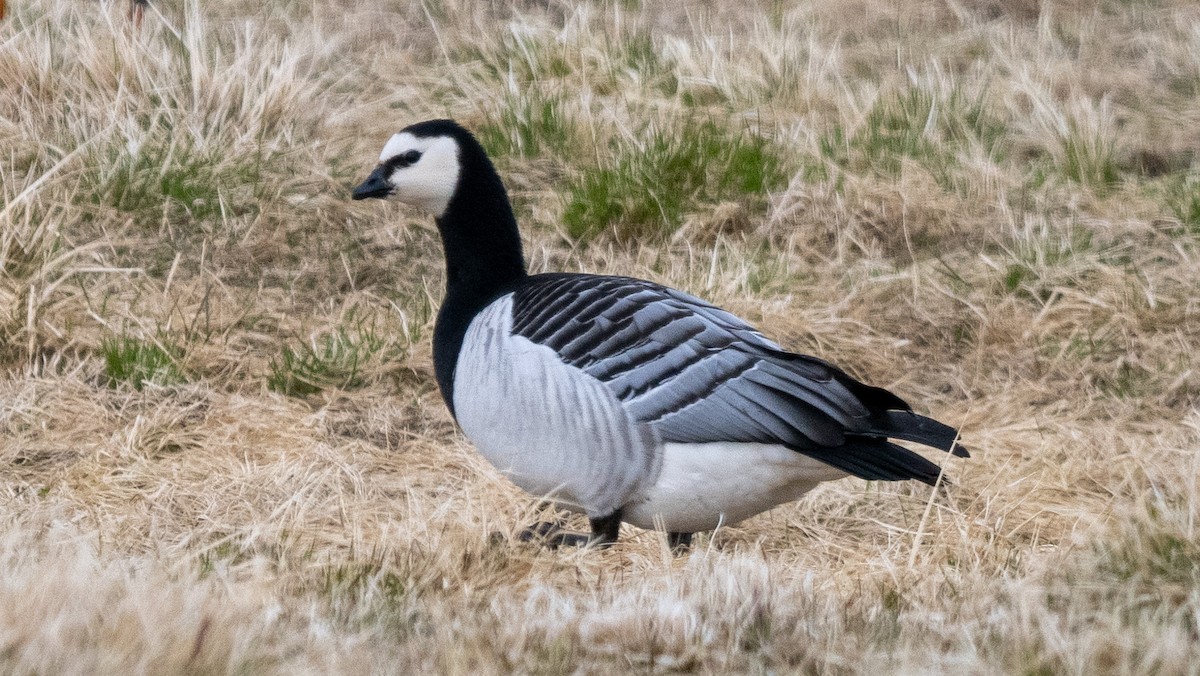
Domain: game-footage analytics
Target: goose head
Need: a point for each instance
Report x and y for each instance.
(438, 166)
(420, 165)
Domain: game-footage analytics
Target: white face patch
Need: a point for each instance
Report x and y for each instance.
(429, 182)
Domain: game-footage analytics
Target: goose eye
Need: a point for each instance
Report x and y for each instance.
(403, 159)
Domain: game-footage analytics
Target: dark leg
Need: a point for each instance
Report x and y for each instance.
(567, 539)
(539, 531)
(604, 533)
(542, 530)
(605, 529)
(679, 541)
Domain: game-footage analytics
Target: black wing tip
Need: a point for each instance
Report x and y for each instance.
(920, 429)
(876, 459)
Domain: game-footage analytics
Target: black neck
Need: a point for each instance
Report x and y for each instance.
(480, 240)
(483, 256)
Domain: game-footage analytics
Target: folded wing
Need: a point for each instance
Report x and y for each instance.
(695, 373)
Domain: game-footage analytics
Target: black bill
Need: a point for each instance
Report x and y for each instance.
(376, 185)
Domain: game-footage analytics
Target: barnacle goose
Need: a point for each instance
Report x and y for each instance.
(621, 398)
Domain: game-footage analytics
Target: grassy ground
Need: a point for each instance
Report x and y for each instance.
(221, 446)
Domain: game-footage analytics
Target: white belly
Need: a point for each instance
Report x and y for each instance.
(702, 486)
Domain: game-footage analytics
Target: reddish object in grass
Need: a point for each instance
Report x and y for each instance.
(137, 11)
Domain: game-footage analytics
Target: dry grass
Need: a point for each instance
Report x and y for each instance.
(221, 445)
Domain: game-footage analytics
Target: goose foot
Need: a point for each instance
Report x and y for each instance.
(605, 529)
(550, 533)
(679, 542)
(540, 531)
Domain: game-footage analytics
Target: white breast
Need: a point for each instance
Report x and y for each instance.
(702, 486)
(554, 430)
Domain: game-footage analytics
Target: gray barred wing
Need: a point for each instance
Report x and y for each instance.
(695, 373)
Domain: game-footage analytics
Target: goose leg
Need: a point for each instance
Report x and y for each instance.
(605, 529)
(543, 530)
(552, 535)
(679, 541)
(604, 533)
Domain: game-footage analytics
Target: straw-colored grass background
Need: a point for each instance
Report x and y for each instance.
(221, 446)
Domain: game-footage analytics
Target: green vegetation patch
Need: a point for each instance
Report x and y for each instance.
(335, 360)
(517, 58)
(1088, 158)
(915, 124)
(1183, 201)
(651, 186)
(1153, 551)
(138, 362)
(1041, 262)
(529, 125)
(164, 178)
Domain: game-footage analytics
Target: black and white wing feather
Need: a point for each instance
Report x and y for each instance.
(695, 373)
